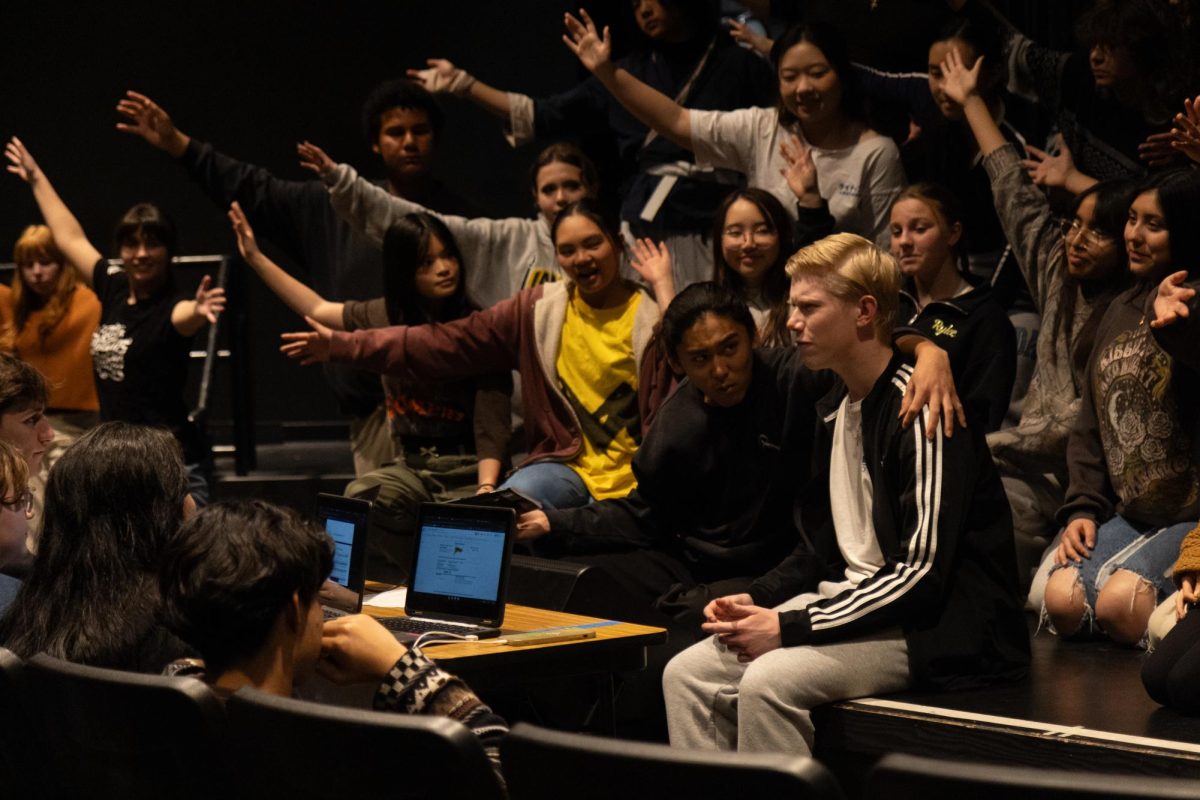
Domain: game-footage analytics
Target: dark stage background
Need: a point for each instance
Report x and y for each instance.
(253, 78)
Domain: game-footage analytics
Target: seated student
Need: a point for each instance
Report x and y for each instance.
(508, 255)
(670, 545)
(449, 439)
(591, 378)
(944, 304)
(112, 502)
(402, 124)
(23, 425)
(16, 508)
(911, 579)
(241, 583)
(1134, 452)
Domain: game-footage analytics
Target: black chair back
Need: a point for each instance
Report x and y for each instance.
(301, 750)
(904, 777)
(21, 769)
(541, 764)
(107, 733)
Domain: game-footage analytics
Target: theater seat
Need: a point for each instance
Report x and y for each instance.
(300, 750)
(21, 766)
(541, 764)
(904, 777)
(106, 733)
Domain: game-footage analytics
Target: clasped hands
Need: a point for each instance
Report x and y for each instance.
(746, 629)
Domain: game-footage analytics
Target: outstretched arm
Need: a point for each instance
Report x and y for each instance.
(653, 108)
(189, 316)
(147, 119)
(68, 233)
(298, 297)
(961, 85)
(442, 77)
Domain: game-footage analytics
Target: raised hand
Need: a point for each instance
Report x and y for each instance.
(210, 300)
(148, 120)
(1171, 302)
(314, 159)
(651, 261)
(1185, 136)
(308, 347)
(247, 244)
(959, 82)
(20, 162)
(442, 77)
(1050, 170)
(593, 50)
(801, 173)
(745, 35)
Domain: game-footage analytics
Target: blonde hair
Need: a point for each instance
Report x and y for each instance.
(37, 244)
(14, 473)
(850, 267)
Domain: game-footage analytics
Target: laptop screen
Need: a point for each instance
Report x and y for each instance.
(345, 520)
(460, 561)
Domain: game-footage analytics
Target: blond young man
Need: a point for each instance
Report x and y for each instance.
(905, 575)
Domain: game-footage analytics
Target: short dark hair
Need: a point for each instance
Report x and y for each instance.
(589, 208)
(984, 39)
(22, 387)
(231, 569)
(148, 220)
(705, 297)
(398, 93)
(832, 44)
(566, 153)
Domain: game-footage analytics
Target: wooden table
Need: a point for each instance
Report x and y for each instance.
(484, 665)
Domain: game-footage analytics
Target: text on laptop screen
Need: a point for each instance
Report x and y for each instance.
(459, 560)
(342, 533)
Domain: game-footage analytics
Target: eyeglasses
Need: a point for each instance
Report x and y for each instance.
(755, 234)
(23, 503)
(1090, 236)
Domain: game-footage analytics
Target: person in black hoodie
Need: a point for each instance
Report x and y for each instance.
(911, 578)
(940, 300)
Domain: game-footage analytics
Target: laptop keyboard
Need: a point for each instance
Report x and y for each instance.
(417, 626)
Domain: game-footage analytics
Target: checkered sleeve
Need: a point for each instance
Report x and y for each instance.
(416, 685)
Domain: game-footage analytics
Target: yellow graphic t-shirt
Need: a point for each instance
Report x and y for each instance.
(599, 376)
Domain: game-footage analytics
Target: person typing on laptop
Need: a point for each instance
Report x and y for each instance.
(240, 583)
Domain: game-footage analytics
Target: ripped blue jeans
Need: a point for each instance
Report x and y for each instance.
(1146, 551)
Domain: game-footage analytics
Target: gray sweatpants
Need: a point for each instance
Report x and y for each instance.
(716, 703)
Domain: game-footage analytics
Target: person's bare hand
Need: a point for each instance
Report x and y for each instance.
(932, 384)
(801, 172)
(247, 244)
(1187, 594)
(1171, 301)
(745, 35)
(147, 119)
(651, 261)
(356, 649)
(442, 77)
(1078, 540)
(722, 608)
(592, 49)
(532, 525)
(1046, 169)
(960, 82)
(20, 161)
(308, 347)
(314, 159)
(210, 300)
(750, 631)
(1185, 136)
(1158, 151)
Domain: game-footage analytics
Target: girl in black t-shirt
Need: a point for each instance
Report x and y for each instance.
(140, 350)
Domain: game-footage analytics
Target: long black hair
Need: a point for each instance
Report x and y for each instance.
(405, 246)
(832, 45)
(112, 501)
(1179, 198)
(776, 283)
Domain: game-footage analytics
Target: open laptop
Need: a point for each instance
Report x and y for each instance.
(461, 557)
(345, 519)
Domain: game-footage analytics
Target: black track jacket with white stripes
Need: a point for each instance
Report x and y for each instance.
(944, 528)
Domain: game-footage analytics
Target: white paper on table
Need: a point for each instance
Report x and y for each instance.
(394, 598)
